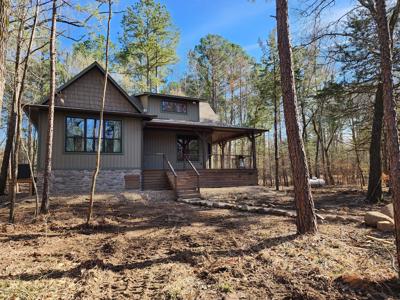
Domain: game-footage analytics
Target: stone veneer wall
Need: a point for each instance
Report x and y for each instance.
(79, 181)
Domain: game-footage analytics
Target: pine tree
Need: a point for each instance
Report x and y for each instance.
(306, 219)
(149, 43)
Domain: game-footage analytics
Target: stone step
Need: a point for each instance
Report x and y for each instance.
(188, 196)
(189, 200)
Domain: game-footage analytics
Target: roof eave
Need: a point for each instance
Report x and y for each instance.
(91, 111)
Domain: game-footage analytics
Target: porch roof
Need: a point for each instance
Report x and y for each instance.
(219, 131)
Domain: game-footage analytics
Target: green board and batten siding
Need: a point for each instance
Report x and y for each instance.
(154, 108)
(130, 158)
(164, 141)
(86, 93)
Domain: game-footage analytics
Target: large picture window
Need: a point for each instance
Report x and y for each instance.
(173, 106)
(82, 134)
(187, 146)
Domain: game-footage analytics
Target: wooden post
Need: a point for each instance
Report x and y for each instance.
(205, 151)
(253, 150)
(203, 137)
(222, 145)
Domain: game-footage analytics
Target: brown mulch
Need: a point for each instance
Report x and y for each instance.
(141, 248)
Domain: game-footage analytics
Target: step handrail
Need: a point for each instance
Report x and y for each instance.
(171, 168)
(165, 159)
(195, 170)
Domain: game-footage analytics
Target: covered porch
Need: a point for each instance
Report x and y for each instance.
(197, 154)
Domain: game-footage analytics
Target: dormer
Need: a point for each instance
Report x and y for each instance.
(171, 107)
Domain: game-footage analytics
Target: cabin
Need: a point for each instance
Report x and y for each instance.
(150, 141)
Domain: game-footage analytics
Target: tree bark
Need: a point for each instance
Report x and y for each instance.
(305, 219)
(12, 116)
(329, 167)
(19, 90)
(44, 208)
(281, 155)
(356, 151)
(276, 145)
(103, 101)
(4, 19)
(374, 193)
(390, 115)
(316, 160)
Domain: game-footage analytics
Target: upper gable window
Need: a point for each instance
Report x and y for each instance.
(173, 106)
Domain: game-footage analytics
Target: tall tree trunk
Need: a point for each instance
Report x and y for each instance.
(323, 152)
(19, 90)
(281, 154)
(100, 133)
(305, 219)
(316, 160)
(276, 145)
(4, 15)
(10, 152)
(390, 115)
(12, 116)
(305, 135)
(269, 160)
(329, 167)
(356, 151)
(374, 193)
(44, 208)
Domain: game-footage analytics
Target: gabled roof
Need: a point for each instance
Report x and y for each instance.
(187, 98)
(134, 102)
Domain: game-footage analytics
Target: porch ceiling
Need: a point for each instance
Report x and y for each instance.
(218, 132)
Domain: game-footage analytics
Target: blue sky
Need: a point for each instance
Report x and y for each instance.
(242, 22)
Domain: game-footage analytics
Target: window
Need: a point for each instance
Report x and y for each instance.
(82, 135)
(187, 146)
(173, 106)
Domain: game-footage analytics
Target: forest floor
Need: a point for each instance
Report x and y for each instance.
(145, 246)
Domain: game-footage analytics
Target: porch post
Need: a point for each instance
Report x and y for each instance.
(205, 151)
(203, 138)
(253, 150)
(222, 146)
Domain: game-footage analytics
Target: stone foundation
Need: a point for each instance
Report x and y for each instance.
(79, 181)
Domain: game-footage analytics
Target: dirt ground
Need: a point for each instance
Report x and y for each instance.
(145, 246)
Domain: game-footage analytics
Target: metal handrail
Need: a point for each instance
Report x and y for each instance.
(165, 159)
(195, 170)
(192, 165)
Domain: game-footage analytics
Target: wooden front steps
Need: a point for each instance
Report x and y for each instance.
(185, 184)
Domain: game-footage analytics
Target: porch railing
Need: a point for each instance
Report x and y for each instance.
(233, 161)
(156, 161)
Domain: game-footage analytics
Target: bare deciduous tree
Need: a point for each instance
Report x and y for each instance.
(50, 124)
(18, 92)
(4, 12)
(103, 100)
